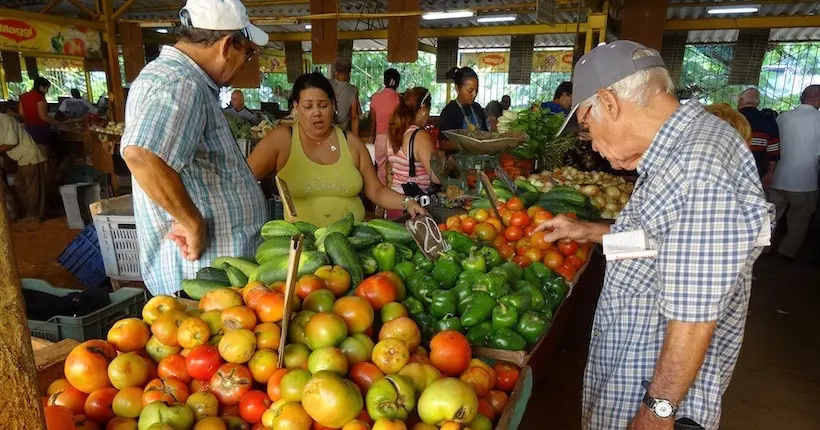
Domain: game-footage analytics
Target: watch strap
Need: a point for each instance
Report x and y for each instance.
(650, 401)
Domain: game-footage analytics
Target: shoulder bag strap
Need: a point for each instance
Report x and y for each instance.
(412, 158)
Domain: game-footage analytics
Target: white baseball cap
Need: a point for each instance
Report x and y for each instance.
(221, 15)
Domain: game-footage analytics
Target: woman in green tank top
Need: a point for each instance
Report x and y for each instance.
(325, 170)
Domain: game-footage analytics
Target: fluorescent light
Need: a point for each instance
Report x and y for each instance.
(432, 16)
(498, 18)
(733, 10)
(555, 48)
(162, 30)
(308, 26)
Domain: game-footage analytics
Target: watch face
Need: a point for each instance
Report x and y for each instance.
(663, 409)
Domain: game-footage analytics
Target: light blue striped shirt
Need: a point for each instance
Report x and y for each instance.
(173, 111)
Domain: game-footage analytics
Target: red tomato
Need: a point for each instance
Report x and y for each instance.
(567, 247)
(533, 210)
(506, 251)
(515, 204)
(522, 261)
(98, 405)
(230, 383)
(450, 352)
(365, 374)
(442, 227)
(506, 376)
(540, 217)
(553, 259)
(308, 284)
(203, 361)
(484, 408)
(69, 397)
(496, 223)
(468, 225)
(528, 231)
(499, 240)
(520, 219)
(274, 391)
(378, 290)
(497, 399)
(574, 261)
(199, 386)
(534, 254)
(253, 405)
(566, 271)
(521, 250)
(513, 233)
(170, 390)
(174, 366)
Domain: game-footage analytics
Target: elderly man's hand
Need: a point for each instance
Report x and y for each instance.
(646, 420)
(563, 227)
(189, 238)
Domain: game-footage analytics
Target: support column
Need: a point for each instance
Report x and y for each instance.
(116, 96)
(643, 21)
(20, 397)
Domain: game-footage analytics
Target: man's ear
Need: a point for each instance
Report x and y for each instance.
(224, 45)
(609, 104)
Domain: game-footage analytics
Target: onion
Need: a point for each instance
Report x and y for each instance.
(607, 215)
(590, 190)
(623, 199)
(611, 207)
(612, 191)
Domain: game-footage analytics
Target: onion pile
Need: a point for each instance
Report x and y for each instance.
(609, 193)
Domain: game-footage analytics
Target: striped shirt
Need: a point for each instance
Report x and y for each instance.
(765, 138)
(400, 168)
(173, 111)
(699, 199)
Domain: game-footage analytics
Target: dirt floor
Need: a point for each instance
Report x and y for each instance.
(776, 384)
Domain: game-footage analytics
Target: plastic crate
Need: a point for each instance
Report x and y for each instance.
(76, 198)
(84, 174)
(125, 303)
(117, 235)
(84, 260)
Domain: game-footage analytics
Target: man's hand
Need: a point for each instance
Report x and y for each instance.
(647, 420)
(562, 227)
(767, 179)
(189, 239)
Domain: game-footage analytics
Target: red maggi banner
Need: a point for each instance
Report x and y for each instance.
(45, 37)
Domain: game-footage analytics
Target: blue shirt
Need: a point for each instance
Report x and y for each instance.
(699, 200)
(553, 107)
(173, 111)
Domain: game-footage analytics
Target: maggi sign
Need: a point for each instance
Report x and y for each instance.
(50, 38)
(16, 30)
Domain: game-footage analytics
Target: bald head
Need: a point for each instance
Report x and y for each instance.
(811, 96)
(238, 100)
(750, 97)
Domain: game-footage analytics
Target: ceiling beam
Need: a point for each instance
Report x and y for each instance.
(124, 8)
(248, 4)
(742, 23)
(84, 8)
(57, 19)
(50, 5)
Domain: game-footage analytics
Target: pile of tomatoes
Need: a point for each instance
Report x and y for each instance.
(514, 237)
(352, 362)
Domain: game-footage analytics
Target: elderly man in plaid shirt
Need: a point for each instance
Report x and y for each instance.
(670, 321)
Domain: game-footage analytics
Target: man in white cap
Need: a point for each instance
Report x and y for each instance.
(194, 196)
(671, 315)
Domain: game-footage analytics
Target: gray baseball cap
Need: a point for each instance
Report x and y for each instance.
(604, 66)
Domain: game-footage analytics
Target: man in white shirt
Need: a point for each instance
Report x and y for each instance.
(76, 106)
(30, 179)
(795, 186)
(238, 109)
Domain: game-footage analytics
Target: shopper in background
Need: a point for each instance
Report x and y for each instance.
(765, 135)
(411, 147)
(506, 102)
(463, 113)
(76, 106)
(325, 168)
(794, 189)
(347, 98)
(668, 328)
(34, 109)
(238, 109)
(382, 105)
(30, 178)
(562, 100)
(734, 118)
(494, 110)
(194, 196)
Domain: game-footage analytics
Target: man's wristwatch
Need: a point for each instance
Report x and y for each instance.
(662, 408)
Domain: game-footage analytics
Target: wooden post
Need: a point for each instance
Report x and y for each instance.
(20, 395)
(116, 96)
(643, 22)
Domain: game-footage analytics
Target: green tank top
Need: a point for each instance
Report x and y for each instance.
(322, 193)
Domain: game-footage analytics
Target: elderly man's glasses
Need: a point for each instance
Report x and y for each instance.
(583, 127)
(241, 39)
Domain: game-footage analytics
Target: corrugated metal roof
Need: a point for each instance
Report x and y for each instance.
(795, 8)
(776, 35)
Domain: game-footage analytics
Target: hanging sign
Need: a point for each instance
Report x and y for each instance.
(552, 61)
(487, 62)
(50, 38)
(272, 63)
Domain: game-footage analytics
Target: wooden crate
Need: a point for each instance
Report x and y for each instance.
(50, 362)
(517, 403)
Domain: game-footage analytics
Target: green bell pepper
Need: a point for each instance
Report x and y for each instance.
(479, 309)
(405, 270)
(491, 257)
(468, 278)
(444, 303)
(477, 335)
(493, 284)
(504, 316)
(507, 339)
(422, 263)
(531, 326)
(537, 273)
(537, 300)
(414, 306)
(427, 325)
(546, 314)
(514, 270)
(459, 241)
(463, 292)
(369, 264)
(554, 291)
(446, 272)
(474, 263)
(421, 287)
(521, 301)
(449, 323)
(385, 255)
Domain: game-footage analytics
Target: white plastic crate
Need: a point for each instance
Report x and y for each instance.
(76, 198)
(117, 235)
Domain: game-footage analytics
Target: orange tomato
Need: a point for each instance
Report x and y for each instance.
(174, 366)
(170, 390)
(267, 336)
(533, 210)
(270, 307)
(308, 284)
(468, 225)
(534, 254)
(537, 241)
(542, 216)
(506, 217)
(515, 204)
(193, 332)
(378, 291)
(166, 327)
(69, 397)
(521, 250)
(86, 366)
(522, 261)
(481, 215)
(452, 221)
(525, 242)
(495, 222)
(501, 206)
(274, 391)
(130, 334)
(456, 228)
(566, 271)
(98, 405)
(513, 233)
(442, 227)
(59, 418)
(499, 240)
(574, 261)
(520, 219)
(450, 352)
(486, 231)
(252, 293)
(506, 251)
(237, 317)
(479, 379)
(553, 259)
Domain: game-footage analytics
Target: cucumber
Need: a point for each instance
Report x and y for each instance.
(499, 184)
(403, 253)
(391, 231)
(306, 228)
(247, 267)
(530, 198)
(481, 204)
(565, 194)
(277, 268)
(361, 242)
(212, 274)
(279, 228)
(197, 288)
(501, 193)
(363, 230)
(342, 254)
(525, 186)
(237, 278)
(280, 246)
(369, 264)
(343, 226)
(558, 206)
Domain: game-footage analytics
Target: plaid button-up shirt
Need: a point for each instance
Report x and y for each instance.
(173, 111)
(699, 199)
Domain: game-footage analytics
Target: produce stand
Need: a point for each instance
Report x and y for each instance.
(50, 361)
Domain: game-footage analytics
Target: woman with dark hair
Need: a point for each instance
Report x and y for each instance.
(411, 146)
(325, 169)
(34, 110)
(382, 105)
(463, 113)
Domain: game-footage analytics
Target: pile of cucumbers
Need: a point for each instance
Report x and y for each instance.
(558, 200)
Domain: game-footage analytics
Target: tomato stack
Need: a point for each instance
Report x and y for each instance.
(514, 236)
(352, 362)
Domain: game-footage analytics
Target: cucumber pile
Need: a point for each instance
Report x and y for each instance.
(558, 200)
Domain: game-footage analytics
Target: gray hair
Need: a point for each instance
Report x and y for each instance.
(200, 36)
(638, 88)
(749, 97)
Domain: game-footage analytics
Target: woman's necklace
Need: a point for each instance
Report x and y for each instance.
(326, 141)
